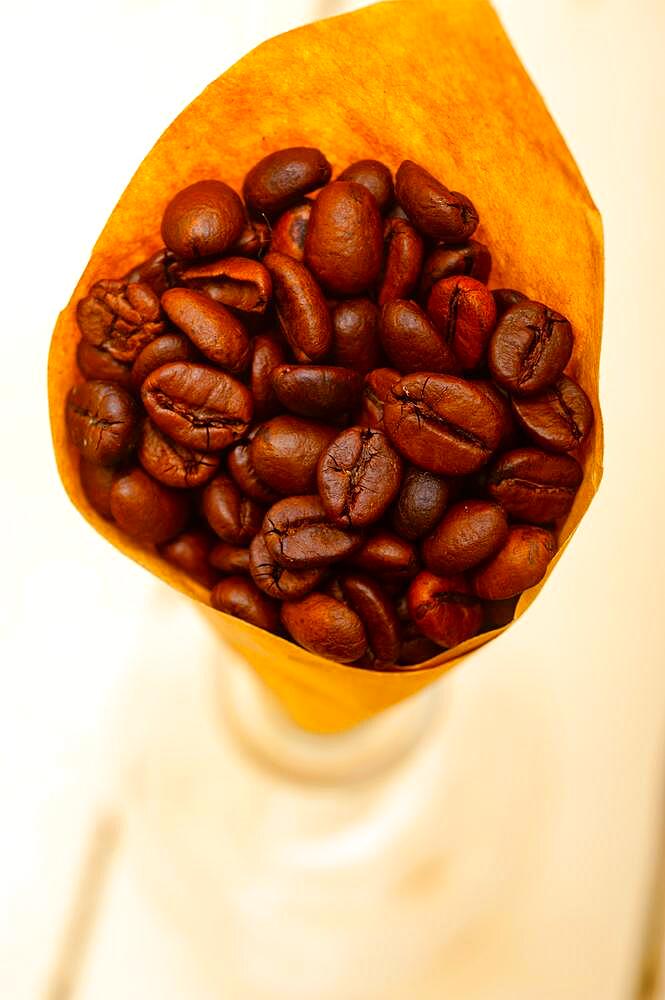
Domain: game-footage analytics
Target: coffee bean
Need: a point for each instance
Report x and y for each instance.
(403, 250)
(521, 563)
(559, 418)
(281, 179)
(356, 335)
(471, 259)
(241, 469)
(232, 559)
(197, 406)
(500, 613)
(204, 219)
(290, 230)
(301, 308)
(444, 608)
(321, 391)
(213, 328)
(171, 463)
(171, 346)
(376, 612)
(412, 342)
(431, 207)
(234, 281)
(160, 271)
(285, 453)
(344, 242)
(278, 581)
(254, 240)
(358, 477)
(470, 532)
(299, 534)
(240, 597)
(441, 423)
(534, 486)
(267, 352)
(103, 421)
(233, 517)
(388, 557)
(530, 348)
(97, 481)
(504, 298)
(375, 391)
(119, 318)
(420, 504)
(415, 648)
(189, 552)
(326, 627)
(375, 176)
(509, 428)
(146, 510)
(463, 311)
(97, 363)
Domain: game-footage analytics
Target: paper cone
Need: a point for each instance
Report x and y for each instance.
(433, 81)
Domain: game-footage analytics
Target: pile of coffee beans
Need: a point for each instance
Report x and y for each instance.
(316, 408)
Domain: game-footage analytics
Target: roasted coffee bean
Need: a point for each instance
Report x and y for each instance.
(119, 318)
(344, 242)
(190, 552)
(559, 418)
(301, 308)
(146, 510)
(377, 614)
(534, 486)
(326, 627)
(387, 557)
(97, 481)
(420, 504)
(441, 423)
(530, 348)
(356, 335)
(471, 259)
(96, 363)
(202, 220)
(403, 250)
(300, 535)
(237, 282)
(509, 428)
(415, 648)
(290, 230)
(375, 176)
(500, 613)
(103, 421)
(277, 581)
(197, 406)
(160, 271)
(444, 608)
(267, 354)
(521, 563)
(233, 517)
(412, 342)
(320, 391)
(358, 477)
(431, 207)
(463, 311)
(242, 471)
(375, 391)
(470, 532)
(504, 298)
(281, 179)
(172, 346)
(230, 559)
(285, 452)
(171, 463)
(254, 240)
(210, 326)
(240, 597)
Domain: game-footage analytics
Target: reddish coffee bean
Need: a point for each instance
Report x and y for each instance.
(233, 517)
(189, 552)
(254, 240)
(290, 230)
(299, 534)
(559, 418)
(301, 308)
(356, 335)
(521, 563)
(388, 557)
(103, 421)
(172, 346)
(197, 406)
(242, 471)
(277, 581)
(96, 363)
(285, 452)
(320, 391)
(504, 298)
(463, 311)
(534, 486)
(358, 477)
(202, 220)
(471, 259)
(119, 318)
(231, 559)
(281, 179)
(267, 354)
(412, 342)
(530, 348)
(441, 423)
(509, 428)
(97, 481)
(375, 391)
(326, 627)
(470, 532)
(146, 510)
(375, 176)
(160, 271)
(420, 504)
(431, 207)
(403, 250)
(415, 648)
(240, 597)
(237, 282)
(344, 243)
(377, 614)
(444, 608)
(210, 326)
(171, 463)
(500, 613)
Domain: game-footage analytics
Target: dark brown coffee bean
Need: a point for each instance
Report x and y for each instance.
(559, 418)
(146, 510)
(470, 532)
(388, 557)
(344, 243)
(441, 423)
(171, 463)
(509, 428)
(444, 608)
(119, 318)
(403, 255)
(203, 220)
(415, 648)
(290, 230)
(197, 406)
(277, 581)
(190, 552)
(238, 282)
(463, 311)
(231, 559)
(254, 240)
(375, 610)
(375, 391)
(172, 346)
(431, 207)
(358, 476)
(521, 563)
(267, 354)
(529, 348)
(534, 486)
(356, 335)
(500, 613)
(103, 421)
(285, 453)
(299, 534)
(160, 271)
(504, 298)
(281, 179)
(471, 259)
(375, 176)
(326, 627)
(240, 597)
(210, 326)
(233, 517)
(96, 363)
(320, 391)
(301, 308)
(242, 471)
(412, 342)
(420, 504)
(97, 481)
